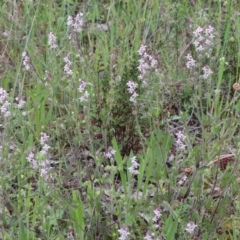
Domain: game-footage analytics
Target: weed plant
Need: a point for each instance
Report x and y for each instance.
(119, 120)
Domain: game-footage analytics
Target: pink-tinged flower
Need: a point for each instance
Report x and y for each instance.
(153, 62)
(45, 169)
(200, 48)
(124, 233)
(190, 227)
(45, 148)
(133, 98)
(180, 140)
(157, 215)
(134, 168)
(131, 89)
(31, 159)
(67, 67)
(142, 50)
(76, 22)
(131, 86)
(110, 153)
(149, 236)
(203, 39)
(81, 89)
(180, 135)
(26, 61)
(208, 31)
(3, 95)
(5, 109)
(52, 41)
(198, 31)
(44, 138)
(191, 62)
(21, 103)
(84, 98)
(82, 86)
(113, 152)
(206, 72)
(147, 62)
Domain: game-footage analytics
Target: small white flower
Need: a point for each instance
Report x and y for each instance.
(198, 31)
(182, 180)
(131, 86)
(113, 152)
(52, 41)
(124, 233)
(67, 67)
(190, 227)
(157, 215)
(142, 50)
(200, 48)
(206, 72)
(208, 30)
(149, 236)
(76, 23)
(84, 98)
(21, 104)
(110, 153)
(82, 86)
(3, 95)
(26, 60)
(44, 138)
(180, 140)
(32, 161)
(217, 91)
(70, 21)
(133, 97)
(191, 62)
(134, 168)
(45, 149)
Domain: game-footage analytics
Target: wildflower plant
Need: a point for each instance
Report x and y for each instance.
(121, 131)
(52, 41)
(39, 161)
(26, 61)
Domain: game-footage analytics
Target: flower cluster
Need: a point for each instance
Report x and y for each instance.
(191, 227)
(149, 236)
(67, 67)
(147, 62)
(203, 38)
(131, 89)
(134, 168)
(124, 233)
(206, 72)
(4, 103)
(42, 164)
(52, 41)
(82, 89)
(44, 143)
(191, 62)
(157, 215)
(180, 140)
(203, 41)
(182, 180)
(110, 153)
(20, 102)
(76, 23)
(26, 61)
